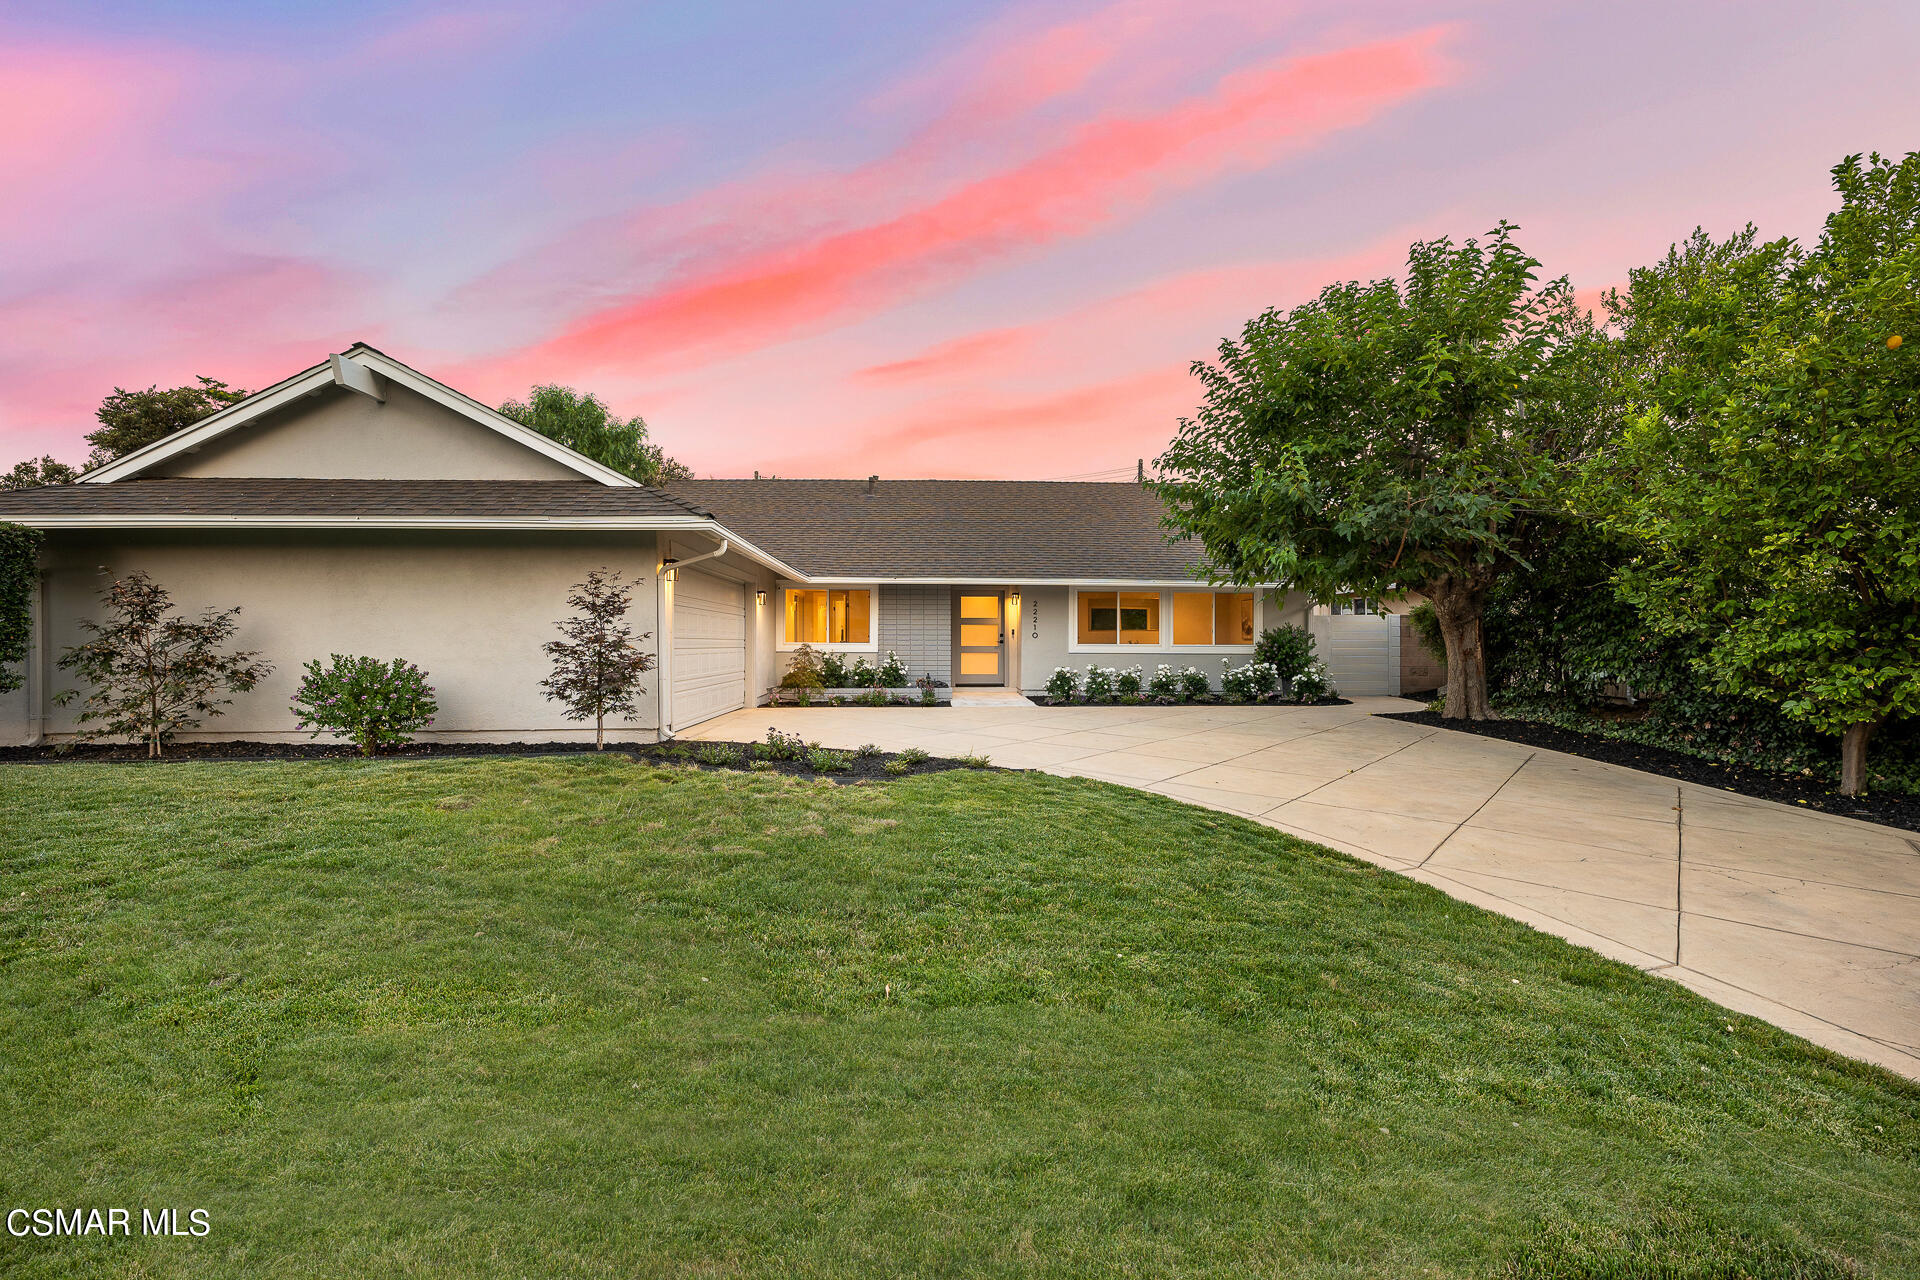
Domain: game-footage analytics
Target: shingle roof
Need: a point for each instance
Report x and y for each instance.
(956, 529)
(300, 499)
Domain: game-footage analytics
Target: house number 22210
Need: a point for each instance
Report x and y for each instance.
(1036, 620)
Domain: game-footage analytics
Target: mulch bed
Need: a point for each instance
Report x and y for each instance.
(1890, 810)
(871, 768)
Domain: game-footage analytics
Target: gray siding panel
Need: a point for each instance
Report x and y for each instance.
(917, 623)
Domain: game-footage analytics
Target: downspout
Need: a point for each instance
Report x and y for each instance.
(36, 672)
(669, 565)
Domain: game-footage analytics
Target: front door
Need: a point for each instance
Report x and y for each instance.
(980, 638)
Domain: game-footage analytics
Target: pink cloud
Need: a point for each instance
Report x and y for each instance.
(961, 355)
(762, 297)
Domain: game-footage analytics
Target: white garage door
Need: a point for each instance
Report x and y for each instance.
(709, 648)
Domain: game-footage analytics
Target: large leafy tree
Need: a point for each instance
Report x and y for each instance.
(585, 424)
(1396, 436)
(36, 472)
(154, 670)
(132, 420)
(1770, 469)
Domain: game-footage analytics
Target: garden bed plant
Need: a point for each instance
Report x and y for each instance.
(816, 679)
(776, 753)
(1257, 683)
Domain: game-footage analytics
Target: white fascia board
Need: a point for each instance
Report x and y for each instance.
(277, 396)
(667, 524)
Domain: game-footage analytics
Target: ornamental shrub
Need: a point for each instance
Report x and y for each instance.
(1165, 682)
(861, 674)
(1099, 683)
(893, 672)
(372, 703)
(1194, 683)
(1287, 649)
(1127, 683)
(1063, 683)
(155, 671)
(805, 670)
(833, 671)
(1254, 680)
(1313, 684)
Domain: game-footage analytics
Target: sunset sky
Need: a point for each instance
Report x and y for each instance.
(915, 239)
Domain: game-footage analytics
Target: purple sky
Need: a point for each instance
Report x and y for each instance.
(929, 240)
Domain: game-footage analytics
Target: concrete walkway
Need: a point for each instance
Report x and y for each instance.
(1809, 921)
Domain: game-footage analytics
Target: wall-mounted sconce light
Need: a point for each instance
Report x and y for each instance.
(1014, 597)
(666, 568)
(760, 598)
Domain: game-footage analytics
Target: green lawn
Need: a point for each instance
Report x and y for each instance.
(588, 1017)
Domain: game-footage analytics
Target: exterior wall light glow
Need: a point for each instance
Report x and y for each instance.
(760, 598)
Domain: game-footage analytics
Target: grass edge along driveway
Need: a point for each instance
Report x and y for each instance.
(592, 1017)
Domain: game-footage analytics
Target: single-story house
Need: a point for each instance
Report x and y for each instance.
(363, 507)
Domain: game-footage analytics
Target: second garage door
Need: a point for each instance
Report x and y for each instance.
(709, 648)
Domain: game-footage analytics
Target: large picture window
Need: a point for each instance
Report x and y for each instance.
(1193, 619)
(824, 616)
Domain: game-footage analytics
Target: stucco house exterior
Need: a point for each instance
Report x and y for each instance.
(363, 507)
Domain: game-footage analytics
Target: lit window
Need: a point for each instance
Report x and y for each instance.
(1099, 617)
(1139, 618)
(830, 617)
(1198, 618)
(1213, 617)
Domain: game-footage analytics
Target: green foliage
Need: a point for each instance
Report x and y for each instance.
(596, 665)
(1426, 628)
(1126, 682)
(867, 750)
(1287, 649)
(1063, 683)
(1254, 680)
(1313, 684)
(36, 473)
(915, 755)
(975, 761)
(155, 672)
(821, 760)
(893, 672)
(1165, 682)
(833, 668)
(929, 696)
(718, 755)
(898, 768)
(783, 746)
(1665, 1244)
(1766, 477)
(1392, 436)
(1099, 683)
(861, 674)
(371, 703)
(1194, 683)
(19, 577)
(806, 670)
(131, 420)
(584, 424)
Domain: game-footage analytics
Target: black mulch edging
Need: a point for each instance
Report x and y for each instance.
(1042, 700)
(1889, 810)
(870, 768)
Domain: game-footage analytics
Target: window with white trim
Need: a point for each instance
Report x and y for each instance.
(1174, 619)
(828, 617)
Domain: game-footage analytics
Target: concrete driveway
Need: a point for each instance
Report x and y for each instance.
(1809, 921)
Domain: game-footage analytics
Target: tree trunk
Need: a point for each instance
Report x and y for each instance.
(1853, 757)
(600, 731)
(1458, 607)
